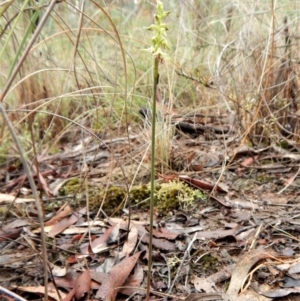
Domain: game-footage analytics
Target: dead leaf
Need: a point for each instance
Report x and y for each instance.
(8, 295)
(204, 297)
(217, 234)
(135, 280)
(65, 223)
(295, 268)
(83, 285)
(8, 199)
(200, 184)
(71, 230)
(115, 234)
(99, 244)
(40, 290)
(70, 295)
(250, 295)
(242, 269)
(203, 284)
(17, 223)
(131, 241)
(161, 244)
(208, 284)
(255, 294)
(62, 225)
(10, 234)
(248, 161)
(98, 276)
(58, 271)
(43, 182)
(62, 213)
(241, 203)
(69, 280)
(224, 203)
(282, 292)
(164, 233)
(16, 259)
(116, 278)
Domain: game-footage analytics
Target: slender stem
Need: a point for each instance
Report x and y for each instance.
(155, 84)
(14, 136)
(35, 195)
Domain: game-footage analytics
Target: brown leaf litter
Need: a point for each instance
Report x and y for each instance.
(239, 243)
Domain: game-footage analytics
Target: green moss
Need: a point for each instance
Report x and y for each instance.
(140, 193)
(263, 178)
(176, 194)
(73, 186)
(283, 144)
(53, 206)
(168, 196)
(3, 211)
(209, 263)
(113, 198)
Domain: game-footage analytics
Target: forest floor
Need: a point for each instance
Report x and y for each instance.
(226, 219)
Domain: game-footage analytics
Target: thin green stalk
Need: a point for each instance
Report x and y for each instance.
(24, 39)
(159, 44)
(155, 84)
